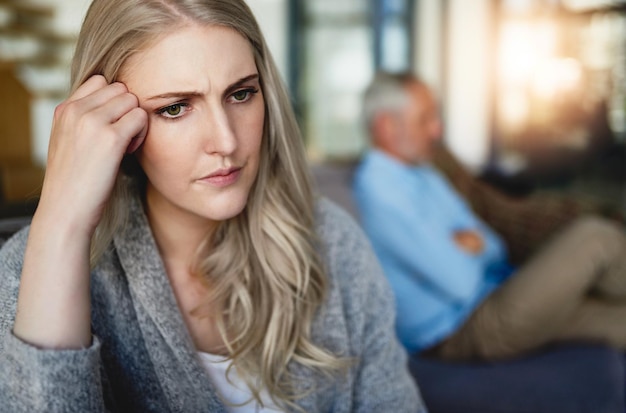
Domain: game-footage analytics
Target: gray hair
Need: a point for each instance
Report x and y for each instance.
(386, 93)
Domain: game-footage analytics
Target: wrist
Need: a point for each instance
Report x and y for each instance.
(62, 223)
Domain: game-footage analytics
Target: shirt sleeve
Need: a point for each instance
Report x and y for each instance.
(419, 247)
(38, 380)
(463, 218)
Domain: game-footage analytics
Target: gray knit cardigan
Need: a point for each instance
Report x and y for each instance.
(142, 358)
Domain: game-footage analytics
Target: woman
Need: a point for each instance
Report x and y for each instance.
(217, 283)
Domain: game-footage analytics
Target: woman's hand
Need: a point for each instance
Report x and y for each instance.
(90, 134)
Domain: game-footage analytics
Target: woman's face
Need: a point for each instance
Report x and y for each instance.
(200, 87)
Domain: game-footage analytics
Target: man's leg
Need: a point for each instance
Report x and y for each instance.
(554, 296)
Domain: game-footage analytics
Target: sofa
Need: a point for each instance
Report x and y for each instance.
(565, 378)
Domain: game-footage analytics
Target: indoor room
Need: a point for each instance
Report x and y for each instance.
(526, 113)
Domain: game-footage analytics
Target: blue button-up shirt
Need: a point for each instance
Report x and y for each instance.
(410, 215)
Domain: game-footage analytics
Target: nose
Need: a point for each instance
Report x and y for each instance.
(219, 135)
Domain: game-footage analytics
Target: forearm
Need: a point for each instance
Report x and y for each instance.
(91, 131)
(53, 308)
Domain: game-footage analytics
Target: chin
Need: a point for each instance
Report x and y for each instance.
(226, 209)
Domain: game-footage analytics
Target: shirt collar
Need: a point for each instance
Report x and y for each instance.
(378, 157)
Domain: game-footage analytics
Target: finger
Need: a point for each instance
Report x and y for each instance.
(101, 97)
(91, 85)
(93, 95)
(133, 125)
(113, 109)
(137, 141)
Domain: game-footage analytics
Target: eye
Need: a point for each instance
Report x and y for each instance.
(243, 95)
(173, 111)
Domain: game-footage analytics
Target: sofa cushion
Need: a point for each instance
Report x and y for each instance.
(568, 378)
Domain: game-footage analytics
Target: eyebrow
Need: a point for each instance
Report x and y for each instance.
(195, 93)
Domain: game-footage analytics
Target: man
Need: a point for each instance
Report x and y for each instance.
(457, 295)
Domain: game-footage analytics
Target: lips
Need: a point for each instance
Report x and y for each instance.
(222, 177)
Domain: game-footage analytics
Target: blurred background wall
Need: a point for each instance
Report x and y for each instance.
(532, 92)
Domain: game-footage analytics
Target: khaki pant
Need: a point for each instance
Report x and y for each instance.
(574, 289)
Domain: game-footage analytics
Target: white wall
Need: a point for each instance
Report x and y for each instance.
(67, 20)
(468, 90)
(428, 42)
(467, 99)
(272, 17)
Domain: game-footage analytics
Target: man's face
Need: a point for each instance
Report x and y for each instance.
(419, 126)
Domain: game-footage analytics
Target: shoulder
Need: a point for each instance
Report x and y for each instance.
(430, 172)
(337, 230)
(352, 267)
(328, 213)
(358, 317)
(369, 166)
(380, 179)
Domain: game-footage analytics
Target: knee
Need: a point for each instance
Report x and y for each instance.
(599, 232)
(592, 223)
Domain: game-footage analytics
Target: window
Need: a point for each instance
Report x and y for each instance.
(336, 47)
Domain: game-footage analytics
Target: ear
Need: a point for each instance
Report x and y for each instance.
(385, 128)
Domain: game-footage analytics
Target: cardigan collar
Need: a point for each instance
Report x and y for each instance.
(167, 339)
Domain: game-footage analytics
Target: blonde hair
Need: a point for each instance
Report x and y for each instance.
(263, 268)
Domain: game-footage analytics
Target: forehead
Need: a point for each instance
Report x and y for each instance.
(194, 56)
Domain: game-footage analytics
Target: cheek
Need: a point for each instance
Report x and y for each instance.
(159, 158)
(249, 130)
(420, 136)
(150, 155)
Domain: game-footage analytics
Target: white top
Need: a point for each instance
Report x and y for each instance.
(233, 390)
